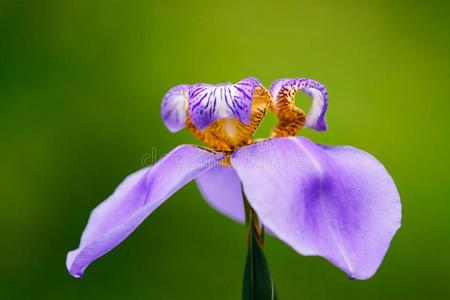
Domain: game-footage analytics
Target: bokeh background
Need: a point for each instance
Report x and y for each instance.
(80, 89)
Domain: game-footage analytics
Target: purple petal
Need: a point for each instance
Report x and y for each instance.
(336, 202)
(221, 187)
(208, 102)
(134, 199)
(173, 107)
(315, 119)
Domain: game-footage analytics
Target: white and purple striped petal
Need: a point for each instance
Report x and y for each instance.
(208, 103)
(173, 107)
(134, 200)
(315, 118)
(336, 202)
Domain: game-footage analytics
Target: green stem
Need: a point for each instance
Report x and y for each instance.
(252, 223)
(258, 283)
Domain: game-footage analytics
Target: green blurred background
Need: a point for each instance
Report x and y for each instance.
(80, 89)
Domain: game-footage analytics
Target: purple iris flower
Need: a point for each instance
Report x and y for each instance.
(337, 202)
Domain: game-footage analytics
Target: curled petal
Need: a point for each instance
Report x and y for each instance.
(207, 102)
(173, 107)
(221, 188)
(133, 200)
(276, 86)
(336, 202)
(315, 119)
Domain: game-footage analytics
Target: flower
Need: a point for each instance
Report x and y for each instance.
(337, 202)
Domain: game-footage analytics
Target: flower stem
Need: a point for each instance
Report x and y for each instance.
(258, 284)
(252, 223)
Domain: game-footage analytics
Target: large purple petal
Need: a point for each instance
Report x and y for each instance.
(315, 119)
(221, 188)
(134, 199)
(208, 102)
(336, 202)
(173, 107)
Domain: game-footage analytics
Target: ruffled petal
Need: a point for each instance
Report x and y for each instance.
(173, 107)
(134, 199)
(207, 102)
(336, 202)
(221, 188)
(315, 119)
